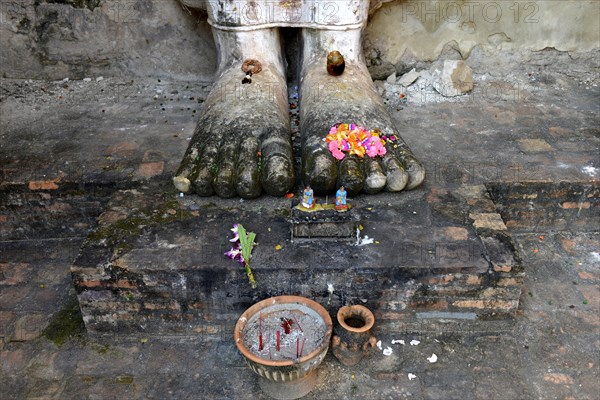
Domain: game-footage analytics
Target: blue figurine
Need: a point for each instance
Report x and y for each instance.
(308, 199)
(340, 199)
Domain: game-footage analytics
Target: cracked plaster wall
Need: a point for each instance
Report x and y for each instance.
(54, 39)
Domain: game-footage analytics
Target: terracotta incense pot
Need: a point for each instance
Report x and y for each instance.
(352, 334)
(284, 339)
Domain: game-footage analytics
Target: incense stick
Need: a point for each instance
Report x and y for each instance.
(297, 323)
(260, 337)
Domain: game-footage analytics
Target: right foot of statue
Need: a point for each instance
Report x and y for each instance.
(242, 143)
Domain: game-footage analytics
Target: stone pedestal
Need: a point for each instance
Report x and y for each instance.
(155, 264)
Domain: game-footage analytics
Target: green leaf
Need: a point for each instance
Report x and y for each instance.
(246, 242)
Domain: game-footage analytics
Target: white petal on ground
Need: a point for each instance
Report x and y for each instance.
(591, 171)
(387, 351)
(366, 240)
(402, 342)
(379, 345)
(411, 376)
(414, 342)
(432, 359)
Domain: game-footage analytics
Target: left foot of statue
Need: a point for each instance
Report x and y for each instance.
(326, 100)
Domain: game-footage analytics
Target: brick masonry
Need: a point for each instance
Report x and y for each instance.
(160, 268)
(538, 205)
(41, 229)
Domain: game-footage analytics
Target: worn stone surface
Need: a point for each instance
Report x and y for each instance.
(174, 39)
(242, 143)
(534, 145)
(327, 223)
(452, 78)
(350, 98)
(563, 205)
(76, 39)
(426, 28)
(555, 332)
(408, 78)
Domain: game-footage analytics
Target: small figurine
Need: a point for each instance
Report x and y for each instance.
(308, 199)
(340, 199)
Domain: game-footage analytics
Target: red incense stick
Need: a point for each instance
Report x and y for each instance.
(299, 327)
(278, 340)
(260, 337)
(302, 348)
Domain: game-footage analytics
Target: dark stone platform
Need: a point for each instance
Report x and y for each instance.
(155, 263)
(326, 222)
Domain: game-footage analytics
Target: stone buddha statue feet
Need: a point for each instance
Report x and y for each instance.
(242, 142)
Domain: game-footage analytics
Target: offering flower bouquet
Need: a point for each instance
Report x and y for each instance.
(242, 251)
(357, 140)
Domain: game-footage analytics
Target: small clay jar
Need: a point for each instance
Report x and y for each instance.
(335, 63)
(352, 334)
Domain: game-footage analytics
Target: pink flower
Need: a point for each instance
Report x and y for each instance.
(371, 151)
(335, 150)
(337, 154)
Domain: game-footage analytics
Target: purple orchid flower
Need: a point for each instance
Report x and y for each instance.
(236, 237)
(235, 254)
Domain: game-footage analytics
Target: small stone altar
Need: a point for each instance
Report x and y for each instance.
(323, 222)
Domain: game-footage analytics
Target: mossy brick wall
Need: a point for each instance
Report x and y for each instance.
(164, 273)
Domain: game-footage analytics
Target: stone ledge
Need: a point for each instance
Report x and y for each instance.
(160, 268)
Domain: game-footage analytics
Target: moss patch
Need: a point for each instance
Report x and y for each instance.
(67, 323)
(162, 210)
(124, 379)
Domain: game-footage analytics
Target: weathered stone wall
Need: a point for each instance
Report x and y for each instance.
(403, 32)
(54, 39)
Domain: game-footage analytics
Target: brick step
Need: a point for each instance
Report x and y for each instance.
(50, 214)
(155, 264)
